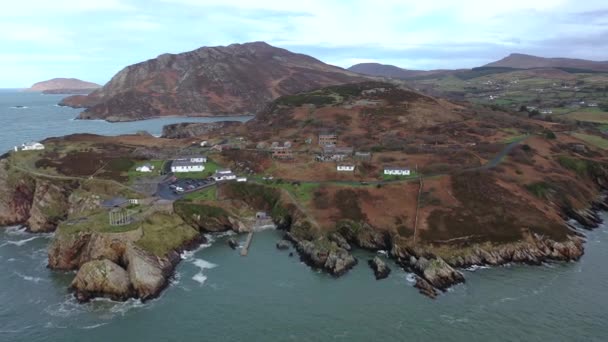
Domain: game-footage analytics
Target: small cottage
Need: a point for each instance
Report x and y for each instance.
(223, 175)
(397, 171)
(187, 166)
(193, 159)
(145, 168)
(31, 146)
(345, 167)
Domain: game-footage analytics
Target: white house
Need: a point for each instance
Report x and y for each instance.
(345, 167)
(145, 168)
(187, 166)
(397, 171)
(193, 159)
(224, 175)
(31, 146)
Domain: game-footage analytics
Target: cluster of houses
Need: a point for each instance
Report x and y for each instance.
(30, 146)
(189, 164)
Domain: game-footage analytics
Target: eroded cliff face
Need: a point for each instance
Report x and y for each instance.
(137, 273)
(192, 130)
(17, 196)
(37, 203)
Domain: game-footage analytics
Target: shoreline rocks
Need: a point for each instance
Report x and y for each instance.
(328, 257)
(283, 245)
(101, 278)
(381, 270)
(232, 243)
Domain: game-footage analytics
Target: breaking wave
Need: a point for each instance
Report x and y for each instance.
(203, 265)
(20, 243)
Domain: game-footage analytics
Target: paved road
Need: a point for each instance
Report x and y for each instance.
(500, 156)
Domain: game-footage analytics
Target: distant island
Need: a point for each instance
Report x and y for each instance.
(68, 86)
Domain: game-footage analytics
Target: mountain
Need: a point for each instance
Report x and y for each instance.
(385, 70)
(225, 80)
(64, 86)
(521, 61)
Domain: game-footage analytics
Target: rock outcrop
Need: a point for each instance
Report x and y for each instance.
(17, 195)
(380, 268)
(50, 206)
(326, 256)
(283, 245)
(101, 278)
(232, 80)
(196, 129)
(148, 274)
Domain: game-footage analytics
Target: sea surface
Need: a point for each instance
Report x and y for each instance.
(217, 295)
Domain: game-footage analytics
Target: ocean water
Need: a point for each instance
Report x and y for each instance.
(217, 295)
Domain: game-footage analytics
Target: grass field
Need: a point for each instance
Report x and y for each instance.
(158, 167)
(593, 140)
(596, 116)
(207, 194)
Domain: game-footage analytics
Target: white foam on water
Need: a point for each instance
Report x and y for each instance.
(202, 265)
(476, 268)
(29, 278)
(94, 326)
(16, 230)
(22, 107)
(411, 278)
(382, 252)
(20, 243)
(69, 307)
(11, 260)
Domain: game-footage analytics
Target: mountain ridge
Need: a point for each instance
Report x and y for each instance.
(237, 79)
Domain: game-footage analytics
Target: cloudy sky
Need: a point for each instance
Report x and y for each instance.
(94, 39)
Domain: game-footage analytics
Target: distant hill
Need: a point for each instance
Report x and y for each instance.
(385, 70)
(64, 86)
(224, 80)
(521, 61)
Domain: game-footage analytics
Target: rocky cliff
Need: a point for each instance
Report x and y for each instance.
(194, 129)
(233, 80)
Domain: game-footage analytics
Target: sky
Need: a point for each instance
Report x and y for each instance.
(94, 39)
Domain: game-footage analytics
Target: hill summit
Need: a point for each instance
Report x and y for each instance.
(225, 80)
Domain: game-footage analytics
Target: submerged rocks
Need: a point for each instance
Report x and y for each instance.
(283, 245)
(101, 278)
(232, 243)
(381, 270)
(425, 288)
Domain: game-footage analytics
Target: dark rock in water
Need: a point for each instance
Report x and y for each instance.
(381, 270)
(333, 259)
(18, 106)
(290, 254)
(283, 245)
(233, 243)
(425, 288)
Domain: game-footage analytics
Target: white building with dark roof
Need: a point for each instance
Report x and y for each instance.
(345, 167)
(397, 171)
(223, 175)
(187, 166)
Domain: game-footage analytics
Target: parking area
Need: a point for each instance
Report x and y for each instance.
(174, 188)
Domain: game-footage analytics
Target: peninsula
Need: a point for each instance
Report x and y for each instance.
(438, 185)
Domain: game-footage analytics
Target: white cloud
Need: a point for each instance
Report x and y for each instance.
(23, 8)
